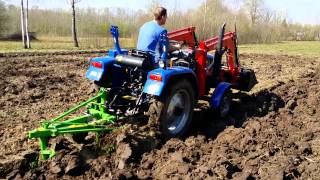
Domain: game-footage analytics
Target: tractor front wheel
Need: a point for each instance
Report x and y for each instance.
(174, 110)
(225, 104)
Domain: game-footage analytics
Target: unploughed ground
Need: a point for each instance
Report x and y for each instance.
(271, 133)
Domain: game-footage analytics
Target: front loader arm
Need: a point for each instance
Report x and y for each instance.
(229, 44)
(187, 35)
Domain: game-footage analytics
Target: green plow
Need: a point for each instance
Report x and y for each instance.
(95, 120)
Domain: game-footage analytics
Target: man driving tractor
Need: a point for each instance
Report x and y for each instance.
(150, 33)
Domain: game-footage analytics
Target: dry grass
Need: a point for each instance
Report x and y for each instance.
(48, 44)
(303, 48)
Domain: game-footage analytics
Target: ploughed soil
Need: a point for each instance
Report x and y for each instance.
(271, 133)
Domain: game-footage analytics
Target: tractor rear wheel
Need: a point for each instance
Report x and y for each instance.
(174, 110)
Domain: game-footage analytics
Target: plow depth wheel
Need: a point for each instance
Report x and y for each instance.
(174, 112)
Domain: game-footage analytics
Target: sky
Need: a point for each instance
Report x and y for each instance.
(300, 11)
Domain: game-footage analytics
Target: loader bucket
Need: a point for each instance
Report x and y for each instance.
(247, 80)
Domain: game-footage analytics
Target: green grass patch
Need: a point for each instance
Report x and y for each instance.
(53, 44)
(304, 48)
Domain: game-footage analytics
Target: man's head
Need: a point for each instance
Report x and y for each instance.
(160, 15)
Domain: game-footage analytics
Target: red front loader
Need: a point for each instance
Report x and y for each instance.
(210, 69)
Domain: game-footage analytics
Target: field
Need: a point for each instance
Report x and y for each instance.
(46, 44)
(62, 44)
(300, 48)
(271, 133)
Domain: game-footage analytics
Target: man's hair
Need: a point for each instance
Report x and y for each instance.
(159, 12)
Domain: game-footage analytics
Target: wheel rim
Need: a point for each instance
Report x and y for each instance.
(225, 106)
(178, 111)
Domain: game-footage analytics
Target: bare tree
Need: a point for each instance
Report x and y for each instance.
(3, 18)
(254, 9)
(204, 17)
(26, 25)
(153, 4)
(23, 26)
(73, 27)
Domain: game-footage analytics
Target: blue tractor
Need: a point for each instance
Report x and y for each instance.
(168, 92)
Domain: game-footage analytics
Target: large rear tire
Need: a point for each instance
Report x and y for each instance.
(174, 110)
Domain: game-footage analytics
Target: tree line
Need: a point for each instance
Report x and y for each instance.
(255, 23)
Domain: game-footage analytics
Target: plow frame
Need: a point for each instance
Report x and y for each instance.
(97, 120)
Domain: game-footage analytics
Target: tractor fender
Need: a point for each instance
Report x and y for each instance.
(218, 94)
(95, 73)
(159, 79)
